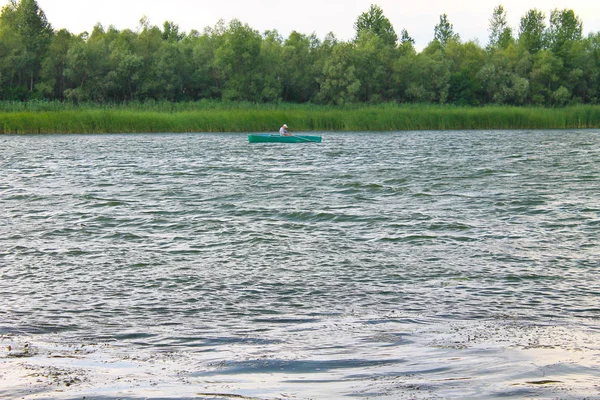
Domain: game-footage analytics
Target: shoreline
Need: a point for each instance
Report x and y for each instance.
(187, 118)
(550, 360)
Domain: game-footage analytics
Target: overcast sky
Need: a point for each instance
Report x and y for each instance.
(469, 17)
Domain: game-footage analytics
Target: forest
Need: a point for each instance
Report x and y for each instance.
(547, 62)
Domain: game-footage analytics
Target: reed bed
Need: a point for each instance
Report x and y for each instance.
(210, 116)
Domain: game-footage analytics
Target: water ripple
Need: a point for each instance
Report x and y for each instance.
(205, 241)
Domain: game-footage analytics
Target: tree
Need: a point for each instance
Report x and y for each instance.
(561, 96)
(171, 32)
(12, 86)
(124, 79)
(551, 65)
(444, 31)
(407, 44)
(148, 45)
(499, 79)
(545, 77)
(34, 31)
(532, 30)
(339, 84)
(465, 60)
(269, 70)
(406, 38)
(53, 78)
(165, 72)
(373, 60)
(500, 32)
(206, 81)
(565, 28)
(373, 21)
(424, 77)
(300, 72)
(236, 58)
(88, 65)
(592, 67)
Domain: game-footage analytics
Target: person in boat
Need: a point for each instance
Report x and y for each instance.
(283, 131)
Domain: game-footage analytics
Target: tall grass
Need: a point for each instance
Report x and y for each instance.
(212, 116)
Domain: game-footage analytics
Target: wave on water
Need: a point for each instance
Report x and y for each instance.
(419, 265)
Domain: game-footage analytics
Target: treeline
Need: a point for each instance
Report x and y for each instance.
(547, 62)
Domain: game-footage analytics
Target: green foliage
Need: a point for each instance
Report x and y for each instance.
(53, 80)
(444, 31)
(236, 58)
(500, 32)
(373, 60)
(545, 77)
(549, 66)
(31, 35)
(532, 31)
(299, 67)
(171, 32)
(338, 84)
(405, 38)
(374, 22)
(565, 28)
(210, 116)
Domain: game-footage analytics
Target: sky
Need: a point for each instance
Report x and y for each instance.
(469, 17)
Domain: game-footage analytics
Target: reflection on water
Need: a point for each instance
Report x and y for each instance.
(396, 265)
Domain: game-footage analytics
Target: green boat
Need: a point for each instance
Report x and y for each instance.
(276, 138)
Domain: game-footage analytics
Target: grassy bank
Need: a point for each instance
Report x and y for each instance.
(57, 117)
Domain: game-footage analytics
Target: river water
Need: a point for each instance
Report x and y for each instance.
(400, 265)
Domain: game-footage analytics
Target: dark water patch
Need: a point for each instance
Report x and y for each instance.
(134, 336)
(409, 239)
(291, 321)
(449, 226)
(235, 340)
(217, 396)
(360, 186)
(293, 366)
(524, 278)
(544, 382)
